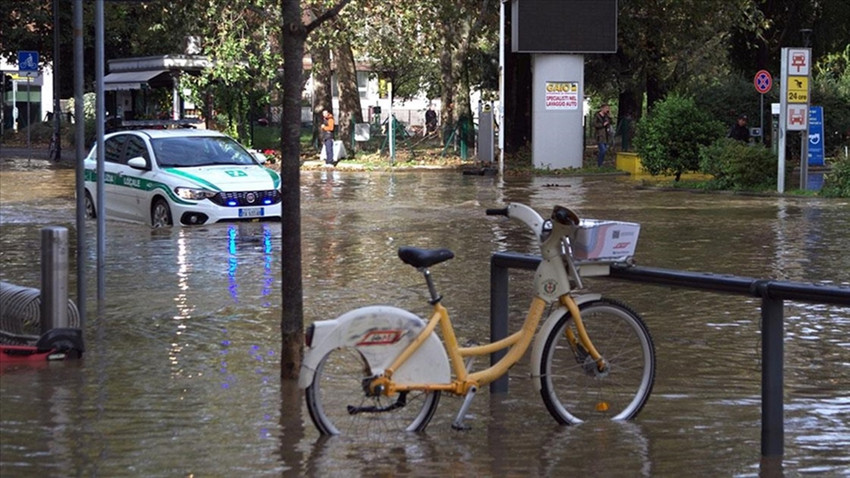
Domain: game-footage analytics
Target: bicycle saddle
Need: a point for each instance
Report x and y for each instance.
(418, 258)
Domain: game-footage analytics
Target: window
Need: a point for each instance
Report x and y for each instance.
(135, 148)
(112, 149)
(363, 83)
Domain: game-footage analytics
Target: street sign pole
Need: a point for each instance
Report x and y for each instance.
(761, 117)
(794, 106)
(783, 120)
(763, 83)
(15, 106)
(28, 65)
(29, 123)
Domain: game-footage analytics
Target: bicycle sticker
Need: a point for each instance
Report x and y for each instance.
(381, 337)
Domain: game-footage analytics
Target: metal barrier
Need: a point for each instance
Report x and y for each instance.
(26, 313)
(771, 292)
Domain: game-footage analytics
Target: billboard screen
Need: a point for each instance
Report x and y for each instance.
(564, 26)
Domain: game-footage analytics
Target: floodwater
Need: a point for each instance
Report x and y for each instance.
(181, 373)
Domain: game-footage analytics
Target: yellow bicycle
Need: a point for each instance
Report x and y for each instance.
(384, 367)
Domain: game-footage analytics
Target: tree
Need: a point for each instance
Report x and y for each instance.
(294, 35)
(668, 139)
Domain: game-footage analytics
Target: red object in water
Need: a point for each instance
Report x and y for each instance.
(27, 353)
(56, 344)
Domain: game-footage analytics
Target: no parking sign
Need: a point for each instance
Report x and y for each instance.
(763, 81)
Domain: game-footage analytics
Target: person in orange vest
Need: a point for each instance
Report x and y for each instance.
(328, 136)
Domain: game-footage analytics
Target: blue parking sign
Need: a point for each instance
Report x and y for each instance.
(816, 139)
(28, 62)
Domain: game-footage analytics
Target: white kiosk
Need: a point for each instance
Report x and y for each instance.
(558, 33)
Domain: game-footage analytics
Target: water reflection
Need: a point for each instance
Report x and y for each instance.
(183, 357)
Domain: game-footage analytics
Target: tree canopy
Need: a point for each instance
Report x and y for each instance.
(441, 47)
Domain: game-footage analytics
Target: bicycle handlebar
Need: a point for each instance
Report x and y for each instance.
(529, 217)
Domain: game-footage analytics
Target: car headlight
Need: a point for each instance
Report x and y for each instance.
(194, 194)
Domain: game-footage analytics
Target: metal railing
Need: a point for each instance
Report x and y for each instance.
(773, 293)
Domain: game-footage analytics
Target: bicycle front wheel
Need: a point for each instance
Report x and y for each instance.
(338, 402)
(574, 388)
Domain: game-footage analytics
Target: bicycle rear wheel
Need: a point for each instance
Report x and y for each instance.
(338, 403)
(573, 388)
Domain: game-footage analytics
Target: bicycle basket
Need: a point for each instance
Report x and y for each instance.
(604, 241)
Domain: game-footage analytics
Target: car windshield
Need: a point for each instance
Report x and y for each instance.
(189, 151)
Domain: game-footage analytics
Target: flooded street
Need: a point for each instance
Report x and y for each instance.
(181, 372)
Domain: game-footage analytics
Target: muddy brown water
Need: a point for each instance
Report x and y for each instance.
(181, 375)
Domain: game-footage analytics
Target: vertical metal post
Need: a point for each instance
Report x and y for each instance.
(804, 158)
(54, 278)
(29, 120)
(772, 358)
(100, 118)
(57, 113)
(79, 146)
(761, 117)
(498, 317)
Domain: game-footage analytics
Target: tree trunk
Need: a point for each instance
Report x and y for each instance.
(292, 289)
(447, 118)
(292, 300)
(322, 94)
(350, 111)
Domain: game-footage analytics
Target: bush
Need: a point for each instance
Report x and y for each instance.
(739, 166)
(668, 139)
(836, 183)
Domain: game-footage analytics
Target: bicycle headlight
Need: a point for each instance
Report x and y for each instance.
(193, 193)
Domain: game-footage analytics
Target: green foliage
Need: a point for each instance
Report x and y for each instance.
(739, 166)
(668, 140)
(831, 90)
(89, 105)
(836, 183)
(730, 96)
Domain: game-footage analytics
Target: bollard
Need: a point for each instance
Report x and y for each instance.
(54, 278)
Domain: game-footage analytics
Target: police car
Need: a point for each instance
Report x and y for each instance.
(181, 177)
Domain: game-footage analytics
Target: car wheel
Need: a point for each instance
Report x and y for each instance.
(160, 213)
(91, 213)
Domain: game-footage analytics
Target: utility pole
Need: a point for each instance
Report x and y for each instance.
(55, 141)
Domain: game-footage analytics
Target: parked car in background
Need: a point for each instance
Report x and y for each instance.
(181, 177)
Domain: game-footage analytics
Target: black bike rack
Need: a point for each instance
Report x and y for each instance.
(772, 293)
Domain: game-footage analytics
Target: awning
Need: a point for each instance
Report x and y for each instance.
(130, 80)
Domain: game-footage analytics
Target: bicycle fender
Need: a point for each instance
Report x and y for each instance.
(546, 329)
(380, 333)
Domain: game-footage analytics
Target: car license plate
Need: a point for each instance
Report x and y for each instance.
(253, 212)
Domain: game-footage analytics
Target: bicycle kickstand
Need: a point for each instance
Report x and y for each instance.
(467, 401)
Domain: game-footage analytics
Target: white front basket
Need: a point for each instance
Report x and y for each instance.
(604, 241)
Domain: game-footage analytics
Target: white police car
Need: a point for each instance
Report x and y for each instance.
(183, 177)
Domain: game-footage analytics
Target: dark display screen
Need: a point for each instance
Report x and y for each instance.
(564, 26)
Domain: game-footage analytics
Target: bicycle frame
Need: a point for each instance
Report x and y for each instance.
(552, 280)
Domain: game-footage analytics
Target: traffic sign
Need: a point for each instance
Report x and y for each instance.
(28, 63)
(763, 81)
(798, 61)
(796, 118)
(798, 89)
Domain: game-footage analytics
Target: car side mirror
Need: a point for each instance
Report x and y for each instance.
(138, 163)
(259, 156)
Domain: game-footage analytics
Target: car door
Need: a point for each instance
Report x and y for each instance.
(115, 197)
(136, 188)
